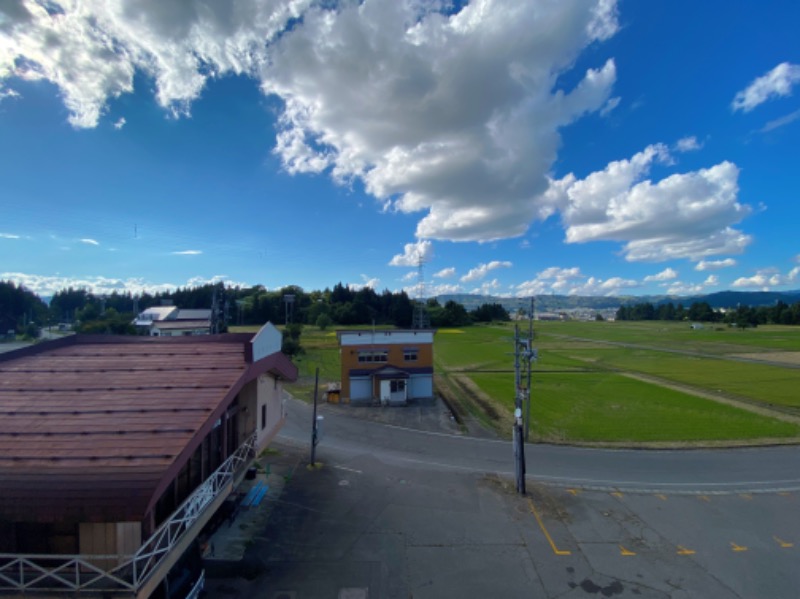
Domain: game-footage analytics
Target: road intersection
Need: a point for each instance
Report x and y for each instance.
(398, 512)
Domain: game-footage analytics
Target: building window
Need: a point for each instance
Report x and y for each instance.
(263, 417)
(398, 386)
(373, 356)
(410, 354)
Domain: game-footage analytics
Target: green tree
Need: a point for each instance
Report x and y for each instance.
(324, 321)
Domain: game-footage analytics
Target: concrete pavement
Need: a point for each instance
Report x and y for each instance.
(379, 519)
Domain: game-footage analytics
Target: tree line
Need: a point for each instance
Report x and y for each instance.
(342, 305)
(741, 316)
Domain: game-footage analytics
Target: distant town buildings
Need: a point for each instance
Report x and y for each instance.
(170, 321)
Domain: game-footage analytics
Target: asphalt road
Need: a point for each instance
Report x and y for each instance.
(742, 470)
(393, 512)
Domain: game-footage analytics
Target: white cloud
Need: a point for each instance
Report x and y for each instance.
(187, 253)
(435, 290)
(777, 82)
(610, 105)
(767, 278)
(120, 123)
(715, 264)
(687, 144)
(780, 122)
(445, 273)
(453, 113)
(91, 50)
(665, 275)
(88, 241)
(612, 286)
(409, 276)
(679, 288)
(480, 271)
(7, 93)
(413, 253)
(571, 281)
(487, 288)
(473, 154)
(369, 282)
(224, 279)
(685, 215)
(9, 236)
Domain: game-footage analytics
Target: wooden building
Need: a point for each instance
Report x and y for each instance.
(391, 367)
(116, 451)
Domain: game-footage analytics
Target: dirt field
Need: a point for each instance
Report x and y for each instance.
(781, 357)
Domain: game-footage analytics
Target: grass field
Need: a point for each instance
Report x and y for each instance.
(582, 387)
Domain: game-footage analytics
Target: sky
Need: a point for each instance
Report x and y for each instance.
(500, 147)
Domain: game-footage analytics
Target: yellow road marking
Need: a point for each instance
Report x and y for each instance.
(661, 496)
(784, 493)
(573, 491)
(623, 551)
(736, 547)
(555, 549)
(616, 494)
(784, 544)
(746, 496)
(683, 551)
(704, 498)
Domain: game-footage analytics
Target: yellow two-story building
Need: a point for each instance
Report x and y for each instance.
(392, 367)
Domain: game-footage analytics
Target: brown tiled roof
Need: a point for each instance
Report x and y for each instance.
(93, 428)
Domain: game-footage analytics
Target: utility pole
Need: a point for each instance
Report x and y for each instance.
(517, 433)
(531, 355)
(524, 355)
(314, 424)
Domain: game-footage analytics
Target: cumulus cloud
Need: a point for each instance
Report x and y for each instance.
(487, 288)
(571, 281)
(685, 215)
(445, 273)
(687, 144)
(413, 254)
(449, 111)
(776, 83)
(665, 275)
(437, 290)
(120, 123)
(88, 241)
(91, 50)
(47, 285)
(715, 264)
(767, 278)
(367, 282)
(480, 271)
(451, 115)
(683, 288)
(187, 253)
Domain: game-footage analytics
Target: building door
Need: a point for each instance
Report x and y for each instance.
(394, 391)
(386, 392)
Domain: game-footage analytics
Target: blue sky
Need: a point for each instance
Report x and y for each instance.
(518, 148)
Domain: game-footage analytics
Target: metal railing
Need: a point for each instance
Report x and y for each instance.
(70, 573)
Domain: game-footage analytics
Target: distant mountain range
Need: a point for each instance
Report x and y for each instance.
(555, 303)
